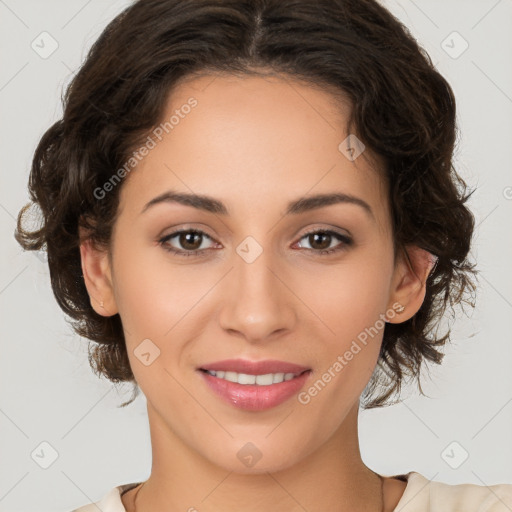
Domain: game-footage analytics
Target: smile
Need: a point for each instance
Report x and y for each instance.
(265, 388)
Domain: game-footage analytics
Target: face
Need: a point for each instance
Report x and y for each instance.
(247, 279)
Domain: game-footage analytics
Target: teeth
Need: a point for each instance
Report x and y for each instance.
(278, 377)
(264, 380)
(260, 380)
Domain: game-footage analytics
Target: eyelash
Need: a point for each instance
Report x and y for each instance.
(347, 242)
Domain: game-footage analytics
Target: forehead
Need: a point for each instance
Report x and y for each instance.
(252, 141)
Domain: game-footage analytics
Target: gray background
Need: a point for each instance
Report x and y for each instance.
(49, 394)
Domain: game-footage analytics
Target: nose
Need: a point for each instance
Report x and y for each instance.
(257, 302)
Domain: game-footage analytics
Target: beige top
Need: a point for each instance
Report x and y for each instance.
(420, 495)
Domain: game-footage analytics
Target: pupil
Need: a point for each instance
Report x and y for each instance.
(188, 243)
(315, 235)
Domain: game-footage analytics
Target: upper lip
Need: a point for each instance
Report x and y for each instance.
(254, 367)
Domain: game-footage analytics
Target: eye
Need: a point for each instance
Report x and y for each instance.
(321, 240)
(189, 239)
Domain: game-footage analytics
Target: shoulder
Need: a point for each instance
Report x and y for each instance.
(423, 495)
(420, 495)
(110, 502)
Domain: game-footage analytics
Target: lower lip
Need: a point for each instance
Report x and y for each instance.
(252, 397)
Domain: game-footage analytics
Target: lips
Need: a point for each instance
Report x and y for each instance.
(254, 386)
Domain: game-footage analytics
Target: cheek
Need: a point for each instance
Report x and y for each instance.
(153, 294)
(350, 300)
(349, 297)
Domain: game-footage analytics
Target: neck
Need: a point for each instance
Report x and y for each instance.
(333, 477)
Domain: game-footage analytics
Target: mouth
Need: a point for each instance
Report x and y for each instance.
(254, 386)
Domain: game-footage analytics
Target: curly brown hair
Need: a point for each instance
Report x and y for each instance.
(402, 109)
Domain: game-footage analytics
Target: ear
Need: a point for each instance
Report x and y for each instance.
(97, 274)
(409, 282)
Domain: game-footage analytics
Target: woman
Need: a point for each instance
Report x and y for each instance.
(254, 214)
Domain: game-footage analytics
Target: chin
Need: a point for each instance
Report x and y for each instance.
(256, 455)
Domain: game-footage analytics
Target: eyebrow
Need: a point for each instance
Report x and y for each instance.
(212, 205)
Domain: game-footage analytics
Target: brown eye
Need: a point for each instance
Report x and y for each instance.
(320, 241)
(188, 241)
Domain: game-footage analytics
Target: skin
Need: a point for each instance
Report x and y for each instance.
(255, 144)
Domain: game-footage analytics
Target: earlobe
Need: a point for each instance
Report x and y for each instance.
(409, 284)
(98, 278)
